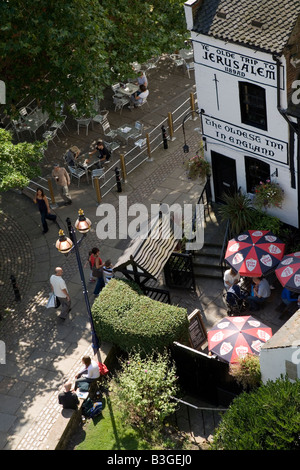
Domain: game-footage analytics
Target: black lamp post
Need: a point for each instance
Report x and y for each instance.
(65, 245)
(186, 148)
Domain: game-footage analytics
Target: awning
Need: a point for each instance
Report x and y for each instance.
(147, 255)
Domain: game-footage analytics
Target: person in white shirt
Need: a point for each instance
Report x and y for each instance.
(89, 373)
(230, 276)
(137, 98)
(59, 289)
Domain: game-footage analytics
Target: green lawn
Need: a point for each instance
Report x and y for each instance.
(108, 432)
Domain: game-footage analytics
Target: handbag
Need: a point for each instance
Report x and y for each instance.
(102, 368)
(57, 302)
(97, 272)
(51, 301)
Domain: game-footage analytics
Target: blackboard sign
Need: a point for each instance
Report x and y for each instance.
(197, 330)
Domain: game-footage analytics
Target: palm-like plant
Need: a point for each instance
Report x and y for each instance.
(239, 211)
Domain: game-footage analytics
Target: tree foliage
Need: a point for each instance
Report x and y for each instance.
(18, 163)
(56, 52)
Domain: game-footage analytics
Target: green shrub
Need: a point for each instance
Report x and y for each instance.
(127, 318)
(263, 221)
(144, 388)
(265, 419)
(247, 371)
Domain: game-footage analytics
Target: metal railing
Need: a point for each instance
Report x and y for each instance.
(214, 414)
(227, 236)
(153, 140)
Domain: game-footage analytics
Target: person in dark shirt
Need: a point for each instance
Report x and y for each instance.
(103, 152)
(68, 398)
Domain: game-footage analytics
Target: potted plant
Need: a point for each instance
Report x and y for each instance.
(197, 166)
(268, 194)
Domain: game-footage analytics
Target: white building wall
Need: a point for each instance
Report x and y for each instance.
(219, 67)
(273, 363)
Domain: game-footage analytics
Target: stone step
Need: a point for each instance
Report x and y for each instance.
(206, 270)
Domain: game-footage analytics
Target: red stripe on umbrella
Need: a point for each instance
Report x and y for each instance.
(254, 253)
(288, 272)
(234, 337)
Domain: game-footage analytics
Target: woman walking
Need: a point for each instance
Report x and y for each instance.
(43, 204)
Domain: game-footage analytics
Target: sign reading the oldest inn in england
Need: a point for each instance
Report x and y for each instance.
(250, 141)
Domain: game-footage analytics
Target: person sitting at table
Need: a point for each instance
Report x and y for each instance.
(103, 153)
(142, 79)
(235, 295)
(138, 97)
(71, 155)
(230, 276)
(288, 297)
(260, 292)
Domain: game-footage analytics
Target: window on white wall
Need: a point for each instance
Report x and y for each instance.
(256, 171)
(253, 105)
(291, 370)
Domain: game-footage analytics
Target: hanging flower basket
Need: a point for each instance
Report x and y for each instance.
(197, 167)
(268, 194)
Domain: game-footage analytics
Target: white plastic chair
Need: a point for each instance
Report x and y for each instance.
(111, 146)
(76, 173)
(98, 173)
(19, 128)
(115, 89)
(137, 131)
(49, 136)
(83, 122)
(120, 102)
(99, 117)
(59, 125)
(108, 132)
(189, 66)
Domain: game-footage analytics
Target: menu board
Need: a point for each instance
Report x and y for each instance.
(197, 330)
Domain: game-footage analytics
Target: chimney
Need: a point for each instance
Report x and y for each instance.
(191, 8)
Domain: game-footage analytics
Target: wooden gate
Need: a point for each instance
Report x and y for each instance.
(179, 271)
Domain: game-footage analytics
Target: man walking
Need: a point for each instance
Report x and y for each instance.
(59, 288)
(62, 179)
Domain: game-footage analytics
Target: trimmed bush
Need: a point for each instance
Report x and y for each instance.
(265, 419)
(127, 318)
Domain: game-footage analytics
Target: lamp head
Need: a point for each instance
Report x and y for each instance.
(82, 224)
(63, 244)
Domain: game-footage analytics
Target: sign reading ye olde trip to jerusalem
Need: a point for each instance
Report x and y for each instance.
(240, 65)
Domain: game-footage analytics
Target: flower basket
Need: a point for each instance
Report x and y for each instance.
(268, 194)
(197, 167)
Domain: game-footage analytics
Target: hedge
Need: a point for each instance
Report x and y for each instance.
(125, 317)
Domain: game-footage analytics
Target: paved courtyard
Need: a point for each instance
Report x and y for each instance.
(41, 352)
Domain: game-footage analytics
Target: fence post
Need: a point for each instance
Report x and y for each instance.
(192, 102)
(123, 168)
(171, 130)
(53, 203)
(98, 190)
(149, 159)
